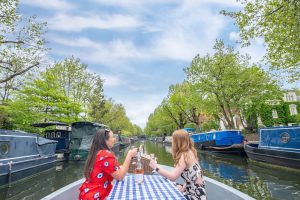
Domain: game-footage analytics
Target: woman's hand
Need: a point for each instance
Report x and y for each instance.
(132, 152)
(153, 163)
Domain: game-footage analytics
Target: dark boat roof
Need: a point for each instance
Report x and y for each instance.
(46, 124)
(41, 140)
(87, 122)
(14, 132)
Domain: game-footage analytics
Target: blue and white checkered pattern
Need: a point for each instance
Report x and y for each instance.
(153, 187)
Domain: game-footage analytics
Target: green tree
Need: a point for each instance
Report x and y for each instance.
(160, 123)
(81, 86)
(22, 46)
(41, 99)
(234, 84)
(191, 103)
(278, 22)
(114, 115)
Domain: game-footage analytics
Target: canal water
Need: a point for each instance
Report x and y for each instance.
(257, 180)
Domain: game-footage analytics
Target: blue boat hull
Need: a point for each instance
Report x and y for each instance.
(25, 168)
(224, 141)
(230, 149)
(273, 156)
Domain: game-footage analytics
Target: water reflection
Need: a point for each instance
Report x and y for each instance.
(39, 186)
(260, 182)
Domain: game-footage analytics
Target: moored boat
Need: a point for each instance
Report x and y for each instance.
(81, 138)
(24, 154)
(277, 145)
(61, 133)
(225, 141)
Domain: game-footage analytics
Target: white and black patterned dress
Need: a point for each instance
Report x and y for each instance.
(194, 190)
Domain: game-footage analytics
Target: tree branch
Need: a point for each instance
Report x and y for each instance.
(7, 68)
(19, 73)
(12, 42)
(273, 11)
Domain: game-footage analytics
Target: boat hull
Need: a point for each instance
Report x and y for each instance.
(25, 168)
(274, 156)
(211, 146)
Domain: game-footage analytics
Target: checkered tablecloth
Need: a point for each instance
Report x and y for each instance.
(153, 187)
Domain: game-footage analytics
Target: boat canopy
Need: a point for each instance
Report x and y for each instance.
(83, 133)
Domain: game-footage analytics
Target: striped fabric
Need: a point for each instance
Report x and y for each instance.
(153, 187)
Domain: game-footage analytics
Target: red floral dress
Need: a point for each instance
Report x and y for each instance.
(99, 186)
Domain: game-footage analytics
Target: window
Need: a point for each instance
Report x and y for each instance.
(274, 114)
(4, 148)
(293, 109)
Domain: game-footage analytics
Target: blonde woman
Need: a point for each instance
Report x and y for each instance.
(186, 165)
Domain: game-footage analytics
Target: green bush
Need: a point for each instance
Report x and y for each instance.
(283, 111)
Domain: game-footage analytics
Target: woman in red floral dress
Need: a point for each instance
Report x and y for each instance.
(102, 167)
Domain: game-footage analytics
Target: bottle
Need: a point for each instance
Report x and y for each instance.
(139, 171)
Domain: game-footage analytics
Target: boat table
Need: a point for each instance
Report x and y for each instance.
(153, 187)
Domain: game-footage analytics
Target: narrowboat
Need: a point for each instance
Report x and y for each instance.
(224, 141)
(81, 138)
(24, 154)
(277, 145)
(61, 133)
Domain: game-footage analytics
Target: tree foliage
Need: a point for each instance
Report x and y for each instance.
(231, 81)
(80, 85)
(283, 111)
(41, 100)
(22, 46)
(278, 22)
(160, 123)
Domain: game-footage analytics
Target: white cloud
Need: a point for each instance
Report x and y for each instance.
(116, 53)
(234, 36)
(180, 35)
(185, 34)
(68, 22)
(256, 50)
(52, 4)
(138, 110)
(232, 3)
(80, 42)
(112, 81)
(140, 3)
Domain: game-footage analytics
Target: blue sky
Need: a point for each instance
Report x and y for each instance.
(139, 47)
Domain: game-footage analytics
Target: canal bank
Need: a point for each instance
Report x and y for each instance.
(258, 181)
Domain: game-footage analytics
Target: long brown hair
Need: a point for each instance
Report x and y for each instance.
(182, 144)
(98, 143)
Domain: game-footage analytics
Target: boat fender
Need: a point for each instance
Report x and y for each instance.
(77, 157)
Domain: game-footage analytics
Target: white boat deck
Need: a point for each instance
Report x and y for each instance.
(215, 191)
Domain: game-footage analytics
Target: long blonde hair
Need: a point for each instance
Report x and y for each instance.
(181, 145)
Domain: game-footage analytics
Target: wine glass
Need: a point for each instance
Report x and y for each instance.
(133, 162)
(152, 156)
